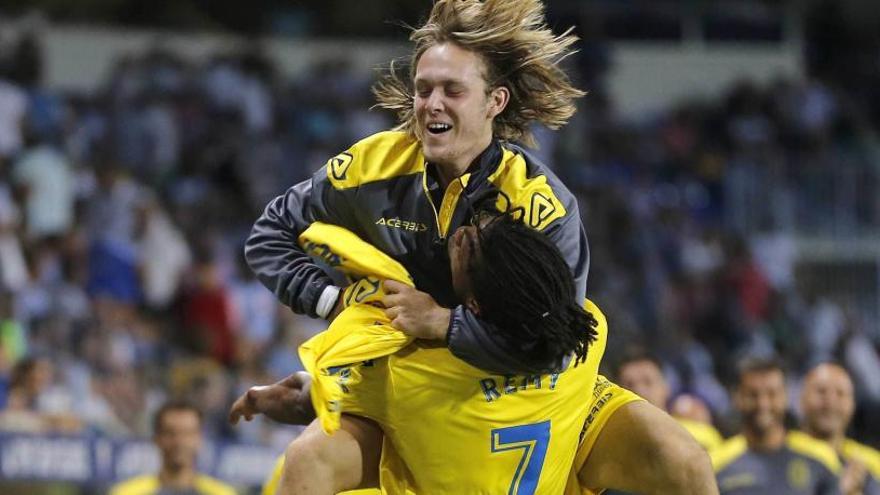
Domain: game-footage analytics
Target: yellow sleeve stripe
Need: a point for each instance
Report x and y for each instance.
(727, 452)
(866, 455)
(270, 486)
(816, 449)
(602, 408)
(378, 157)
(141, 485)
(534, 194)
(210, 486)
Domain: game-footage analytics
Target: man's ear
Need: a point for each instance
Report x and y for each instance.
(498, 99)
(471, 304)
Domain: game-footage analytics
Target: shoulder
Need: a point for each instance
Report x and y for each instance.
(382, 156)
(728, 452)
(817, 450)
(211, 486)
(140, 485)
(529, 184)
(706, 435)
(868, 456)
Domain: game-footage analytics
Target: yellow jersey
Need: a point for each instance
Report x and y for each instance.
(149, 485)
(451, 427)
(361, 331)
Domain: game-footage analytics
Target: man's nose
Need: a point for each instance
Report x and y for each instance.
(435, 102)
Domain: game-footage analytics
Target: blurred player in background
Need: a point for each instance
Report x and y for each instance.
(643, 374)
(177, 434)
(827, 405)
(766, 458)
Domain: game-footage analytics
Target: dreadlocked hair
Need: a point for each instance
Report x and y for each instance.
(522, 284)
(520, 51)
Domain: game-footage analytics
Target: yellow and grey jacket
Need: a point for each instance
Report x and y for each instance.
(383, 191)
(803, 466)
(869, 457)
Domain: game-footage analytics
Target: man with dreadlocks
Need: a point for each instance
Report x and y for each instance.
(482, 72)
(424, 384)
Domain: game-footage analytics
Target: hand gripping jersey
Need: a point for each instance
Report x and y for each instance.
(361, 331)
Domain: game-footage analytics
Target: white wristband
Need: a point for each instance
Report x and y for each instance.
(327, 301)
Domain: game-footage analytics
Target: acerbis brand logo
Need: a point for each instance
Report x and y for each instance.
(396, 223)
(339, 165)
(361, 290)
(540, 210)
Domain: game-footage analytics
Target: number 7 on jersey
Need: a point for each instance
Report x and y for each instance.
(532, 440)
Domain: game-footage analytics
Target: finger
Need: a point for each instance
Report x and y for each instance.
(397, 323)
(392, 312)
(295, 381)
(255, 398)
(394, 287)
(391, 300)
(235, 411)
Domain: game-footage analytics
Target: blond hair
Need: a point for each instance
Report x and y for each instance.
(520, 51)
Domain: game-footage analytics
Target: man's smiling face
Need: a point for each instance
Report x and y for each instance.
(453, 106)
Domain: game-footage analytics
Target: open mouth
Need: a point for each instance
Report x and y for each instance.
(438, 128)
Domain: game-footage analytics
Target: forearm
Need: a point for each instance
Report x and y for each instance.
(302, 411)
(275, 256)
(287, 401)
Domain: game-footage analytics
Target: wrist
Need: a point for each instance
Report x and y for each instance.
(440, 328)
(327, 301)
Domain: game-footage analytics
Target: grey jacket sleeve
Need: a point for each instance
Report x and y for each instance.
(474, 342)
(273, 252)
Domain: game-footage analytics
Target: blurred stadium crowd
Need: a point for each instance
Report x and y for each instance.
(123, 214)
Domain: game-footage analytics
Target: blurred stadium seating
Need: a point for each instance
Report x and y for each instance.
(729, 215)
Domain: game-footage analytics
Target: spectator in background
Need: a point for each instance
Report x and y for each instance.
(13, 268)
(13, 344)
(13, 107)
(256, 310)
(164, 257)
(34, 402)
(208, 312)
(827, 406)
(112, 217)
(45, 180)
(178, 437)
(643, 374)
(765, 457)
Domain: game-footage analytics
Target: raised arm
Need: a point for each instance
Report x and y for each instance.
(275, 256)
